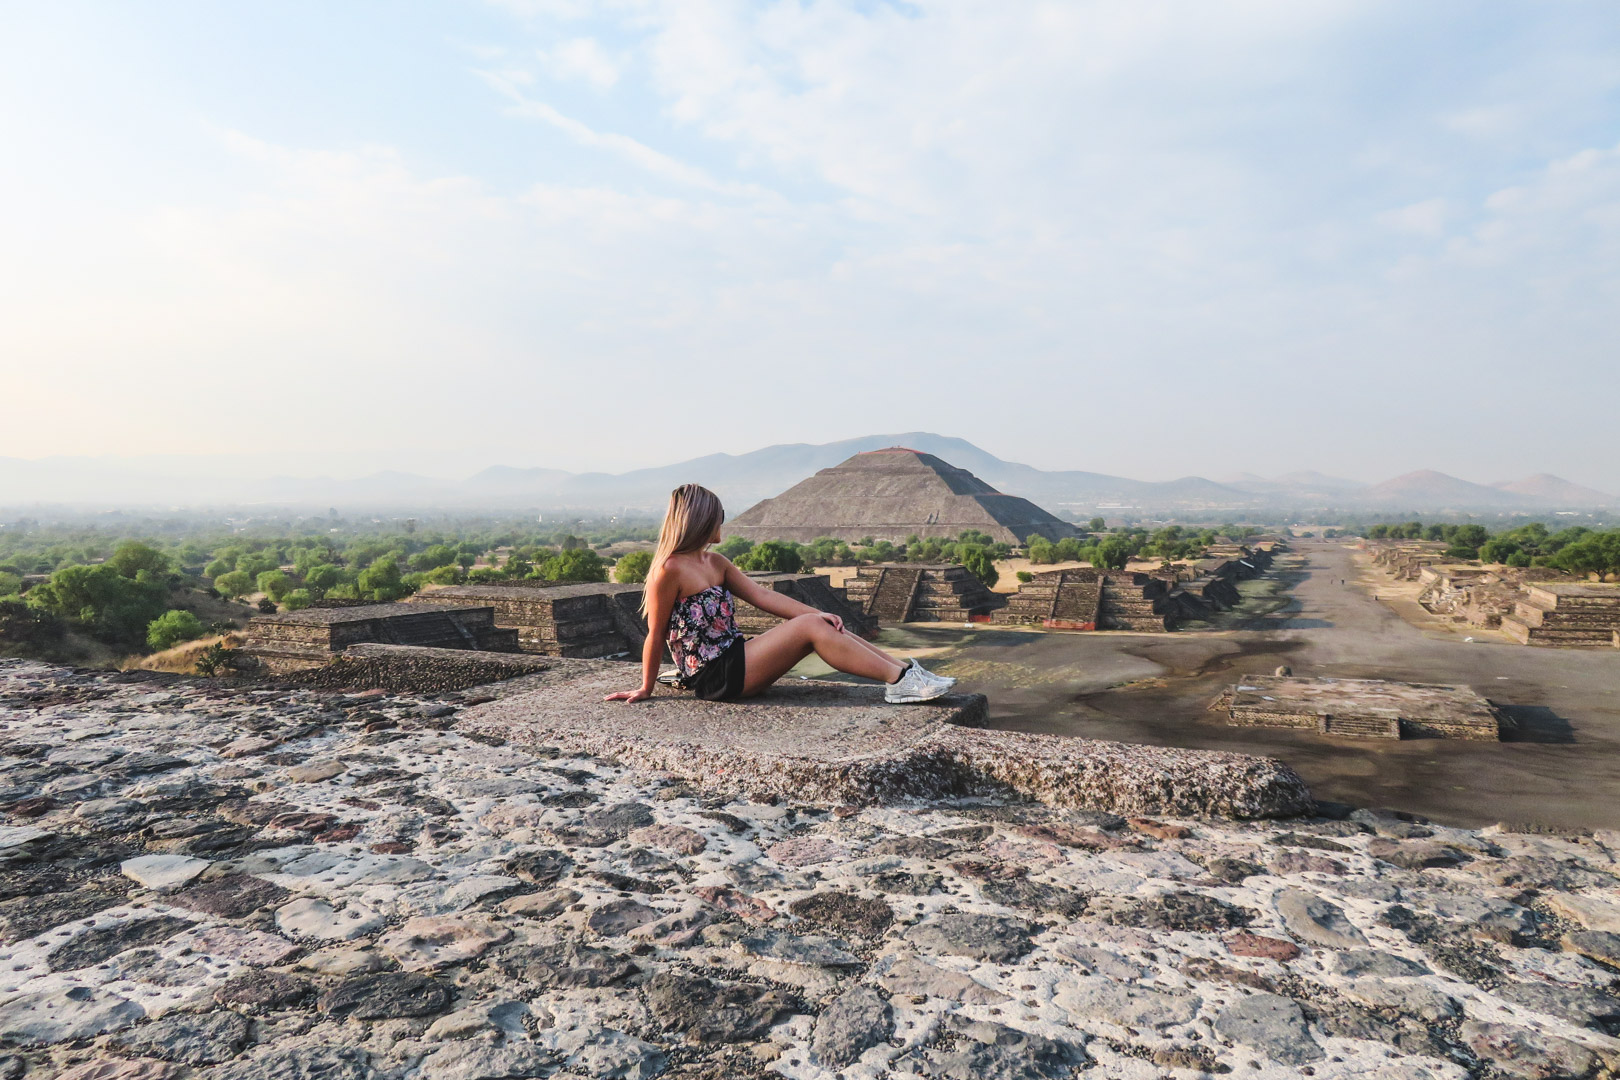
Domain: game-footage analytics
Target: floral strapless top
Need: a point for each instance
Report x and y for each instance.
(701, 627)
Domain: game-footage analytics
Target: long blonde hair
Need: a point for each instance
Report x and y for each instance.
(693, 517)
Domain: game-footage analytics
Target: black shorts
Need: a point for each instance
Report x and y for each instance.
(721, 679)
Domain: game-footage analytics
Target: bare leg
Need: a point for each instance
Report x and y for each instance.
(772, 653)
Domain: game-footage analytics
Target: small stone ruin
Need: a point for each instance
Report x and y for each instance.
(291, 641)
(1566, 613)
(1087, 598)
(1361, 708)
(920, 592)
(584, 621)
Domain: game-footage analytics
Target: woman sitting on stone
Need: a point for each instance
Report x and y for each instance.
(689, 597)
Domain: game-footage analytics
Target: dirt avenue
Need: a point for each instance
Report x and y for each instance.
(1561, 767)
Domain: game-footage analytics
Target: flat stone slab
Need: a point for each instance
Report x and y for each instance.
(840, 742)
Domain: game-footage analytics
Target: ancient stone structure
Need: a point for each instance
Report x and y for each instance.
(840, 743)
(1480, 596)
(920, 592)
(413, 669)
(1405, 559)
(1361, 708)
(812, 589)
(891, 495)
(294, 640)
(1567, 613)
(603, 619)
(1085, 598)
(590, 620)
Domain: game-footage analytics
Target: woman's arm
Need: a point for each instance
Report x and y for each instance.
(781, 605)
(660, 590)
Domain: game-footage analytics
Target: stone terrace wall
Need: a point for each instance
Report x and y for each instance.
(404, 669)
(587, 621)
(294, 640)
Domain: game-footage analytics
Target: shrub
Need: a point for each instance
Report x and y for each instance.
(1113, 553)
(297, 600)
(773, 557)
(1024, 576)
(734, 548)
(171, 628)
(381, 581)
(633, 568)
(574, 564)
(274, 584)
(266, 606)
(979, 563)
(234, 585)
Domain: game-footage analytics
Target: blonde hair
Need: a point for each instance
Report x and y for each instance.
(693, 517)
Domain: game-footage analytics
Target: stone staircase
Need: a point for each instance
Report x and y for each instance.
(587, 621)
(1133, 602)
(1565, 614)
(1360, 727)
(1068, 596)
(941, 592)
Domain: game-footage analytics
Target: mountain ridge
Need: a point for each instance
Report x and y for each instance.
(743, 479)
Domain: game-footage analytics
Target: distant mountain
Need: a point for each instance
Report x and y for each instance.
(742, 480)
(1427, 489)
(1314, 481)
(1550, 490)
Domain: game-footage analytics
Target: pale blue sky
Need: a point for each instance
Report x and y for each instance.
(1143, 238)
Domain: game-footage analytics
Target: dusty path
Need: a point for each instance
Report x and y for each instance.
(1561, 768)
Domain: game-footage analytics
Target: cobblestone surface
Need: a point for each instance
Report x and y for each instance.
(188, 888)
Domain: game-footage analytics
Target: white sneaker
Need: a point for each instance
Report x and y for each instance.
(916, 684)
(949, 680)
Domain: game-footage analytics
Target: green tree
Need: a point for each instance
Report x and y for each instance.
(773, 557)
(321, 577)
(10, 584)
(171, 628)
(734, 547)
(381, 581)
(1066, 550)
(297, 600)
(236, 584)
(132, 557)
(574, 564)
(433, 557)
(1113, 553)
(99, 599)
(217, 568)
(1041, 551)
(1096, 525)
(255, 563)
(978, 562)
(633, 568)
(452, 574)
(274, 584)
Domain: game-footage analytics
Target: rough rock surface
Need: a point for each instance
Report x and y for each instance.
(840, 744)
(451, 907)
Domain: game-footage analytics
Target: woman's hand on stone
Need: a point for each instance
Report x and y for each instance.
(640, 693)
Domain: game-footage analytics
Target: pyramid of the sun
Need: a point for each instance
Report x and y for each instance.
(891, 495)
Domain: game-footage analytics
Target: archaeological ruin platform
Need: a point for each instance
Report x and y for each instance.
(290, 641)
(1361, 708)
(837, 742)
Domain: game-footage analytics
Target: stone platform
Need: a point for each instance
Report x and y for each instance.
(1361, 708)
(840, 743)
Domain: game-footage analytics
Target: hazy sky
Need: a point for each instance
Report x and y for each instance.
(1139, 237)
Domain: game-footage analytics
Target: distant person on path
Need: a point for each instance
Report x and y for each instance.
(689, 597)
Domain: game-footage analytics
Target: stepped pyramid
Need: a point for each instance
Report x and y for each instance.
(891, 495)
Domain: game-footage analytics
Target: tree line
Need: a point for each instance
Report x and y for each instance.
(1577, 549)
